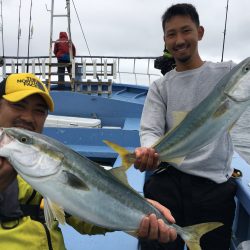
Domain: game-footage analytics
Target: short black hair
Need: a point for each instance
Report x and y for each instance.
(182, 9)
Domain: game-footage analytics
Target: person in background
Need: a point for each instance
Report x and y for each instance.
(24, 103)
(200, 189)
(165, 63)
(62, 52)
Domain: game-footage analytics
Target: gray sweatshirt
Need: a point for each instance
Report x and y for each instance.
(182, 91)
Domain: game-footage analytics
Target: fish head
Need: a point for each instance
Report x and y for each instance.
(238, 88)
(29, 154)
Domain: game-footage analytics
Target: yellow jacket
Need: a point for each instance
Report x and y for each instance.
(26, 233)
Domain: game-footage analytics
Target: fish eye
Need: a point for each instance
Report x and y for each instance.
(246, 69)
(24, 139)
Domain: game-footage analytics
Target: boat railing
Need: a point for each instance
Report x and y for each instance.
(86, 70)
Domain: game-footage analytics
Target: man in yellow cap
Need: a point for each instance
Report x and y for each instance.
(25, 102)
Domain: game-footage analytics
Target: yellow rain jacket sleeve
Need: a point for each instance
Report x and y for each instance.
(26, 233)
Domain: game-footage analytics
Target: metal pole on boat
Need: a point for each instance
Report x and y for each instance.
(29, 38)
(50, 42)
(69, 29)
(70, 45)
(225, 29)
(18, 35)
(85, 39)
(2, 26)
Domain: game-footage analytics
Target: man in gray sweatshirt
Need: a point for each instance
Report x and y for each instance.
(201, 188)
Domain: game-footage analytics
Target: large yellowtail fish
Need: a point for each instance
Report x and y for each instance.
(217, 113)
(72, 183)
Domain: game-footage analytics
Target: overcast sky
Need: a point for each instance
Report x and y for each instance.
(125, 27)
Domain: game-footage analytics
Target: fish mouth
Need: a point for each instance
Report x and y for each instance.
(5, 138)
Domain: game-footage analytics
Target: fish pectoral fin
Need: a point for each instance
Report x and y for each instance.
(177, 161)
(53, 211)
(120, 174)
(75, 181)
(48, 214)
(128, 158)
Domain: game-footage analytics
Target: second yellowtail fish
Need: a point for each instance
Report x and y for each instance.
(217, 113)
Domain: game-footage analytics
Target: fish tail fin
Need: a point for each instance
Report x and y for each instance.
(192, 234)
(128, 158)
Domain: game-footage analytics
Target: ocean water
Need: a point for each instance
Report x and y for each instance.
(241, 136)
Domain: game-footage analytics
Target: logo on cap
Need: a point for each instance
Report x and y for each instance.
(32, 82)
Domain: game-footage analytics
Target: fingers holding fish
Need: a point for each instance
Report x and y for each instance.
(146, 159)
(166, 233)
(155, 229)
(162, 232)
(166, 212)
(144, 228)
(149, 227)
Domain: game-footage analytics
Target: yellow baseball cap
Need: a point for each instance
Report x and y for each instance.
(19, 86)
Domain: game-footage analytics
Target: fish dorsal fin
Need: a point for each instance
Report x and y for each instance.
(178, 117)
(74, 181)
(53, 211)
(120, 174)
